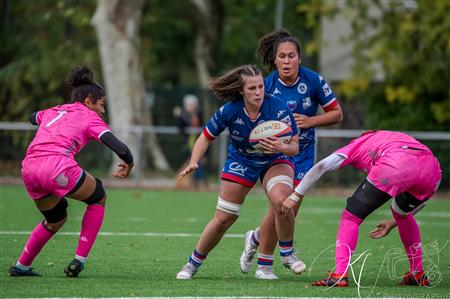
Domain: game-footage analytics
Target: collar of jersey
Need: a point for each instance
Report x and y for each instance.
(288, 85)
(248, 115)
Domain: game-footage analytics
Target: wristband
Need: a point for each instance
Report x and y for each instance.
(294, 197)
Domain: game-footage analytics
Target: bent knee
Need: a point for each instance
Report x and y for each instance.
(98, 196)
(54, 227)
(224, 221)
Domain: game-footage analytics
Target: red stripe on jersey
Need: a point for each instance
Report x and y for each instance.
(208, 135)
(330, 106)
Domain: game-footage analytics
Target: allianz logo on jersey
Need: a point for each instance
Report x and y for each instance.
(239, 121)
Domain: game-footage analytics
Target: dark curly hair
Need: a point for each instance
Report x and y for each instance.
(81, 79)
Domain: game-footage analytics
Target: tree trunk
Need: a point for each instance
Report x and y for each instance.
(208, 27)
(117, 25)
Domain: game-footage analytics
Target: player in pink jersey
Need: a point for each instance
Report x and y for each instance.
(50, 172)
(397, 166)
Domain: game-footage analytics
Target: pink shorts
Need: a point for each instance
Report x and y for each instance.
(406, 170)
(45, 175)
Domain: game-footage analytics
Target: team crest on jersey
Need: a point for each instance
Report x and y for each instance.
(276, 91)
(280, 113)
(302, 88)
(326, 89)
(306, 103)
(237, 168)
(62, 180)
(292, 104)
(239, 121)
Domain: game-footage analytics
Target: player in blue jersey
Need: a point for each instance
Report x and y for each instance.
(247, 107)
(304, 91)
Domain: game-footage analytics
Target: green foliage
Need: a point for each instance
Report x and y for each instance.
(410, 44)
(41, 41)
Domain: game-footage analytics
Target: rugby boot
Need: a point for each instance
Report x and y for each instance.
(265, 272)
(74, 268)
(415, 279)
(187, 272)
(248, 254)
(292, 262)
(15, 272)
(333, 280)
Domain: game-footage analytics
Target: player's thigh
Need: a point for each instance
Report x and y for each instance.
(233, 192)
(47, 203)
(86, 188)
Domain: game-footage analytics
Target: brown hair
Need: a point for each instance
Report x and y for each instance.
(268, 44)
(229, 86)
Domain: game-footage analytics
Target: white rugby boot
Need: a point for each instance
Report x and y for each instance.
(248, 254)
(294, 263)
(265, 272)
(187, 272)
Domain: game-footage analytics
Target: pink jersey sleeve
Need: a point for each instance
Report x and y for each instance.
(96, 127)
(347, 152)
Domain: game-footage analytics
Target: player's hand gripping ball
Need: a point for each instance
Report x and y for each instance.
(270, 128)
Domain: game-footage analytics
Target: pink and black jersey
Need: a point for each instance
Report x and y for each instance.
(363, 152)
(66, 130)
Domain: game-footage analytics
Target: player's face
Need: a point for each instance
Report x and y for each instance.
(253, 90)
(98, 106)
(287, 61)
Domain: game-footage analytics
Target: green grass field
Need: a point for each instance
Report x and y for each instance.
(141, 249)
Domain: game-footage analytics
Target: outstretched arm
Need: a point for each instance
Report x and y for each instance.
(330, 163)
(385, 226)
(200, 147)
(122, 151)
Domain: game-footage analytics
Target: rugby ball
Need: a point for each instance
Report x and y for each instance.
(270, 128)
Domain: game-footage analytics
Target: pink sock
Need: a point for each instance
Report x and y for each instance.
(347, 238)
(38, 238)
(410, 234)
(92, 221)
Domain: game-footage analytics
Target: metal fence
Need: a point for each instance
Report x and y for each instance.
(97, 159)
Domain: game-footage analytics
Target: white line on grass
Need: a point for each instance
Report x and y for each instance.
(227, 297)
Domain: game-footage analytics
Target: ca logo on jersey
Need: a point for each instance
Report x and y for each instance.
(302, 88)
(237, 168)
(292, 104)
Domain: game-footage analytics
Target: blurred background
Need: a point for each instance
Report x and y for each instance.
(388, 62)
